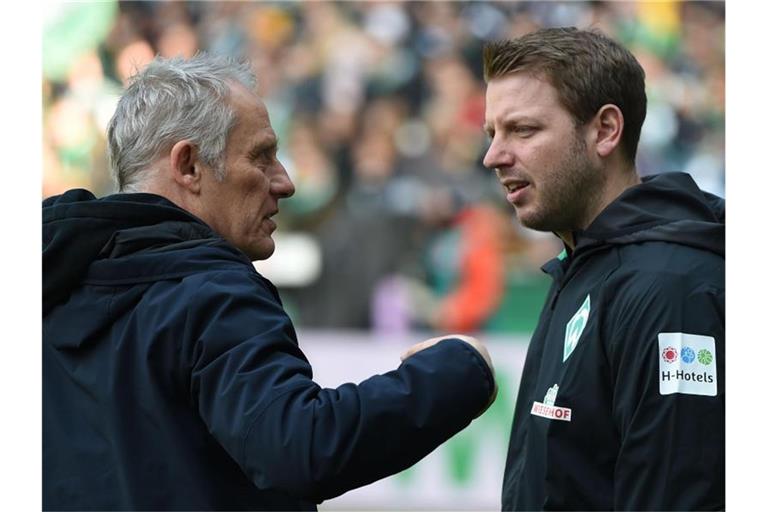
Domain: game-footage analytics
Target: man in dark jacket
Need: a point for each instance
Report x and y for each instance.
(622, 399)
(172, 377)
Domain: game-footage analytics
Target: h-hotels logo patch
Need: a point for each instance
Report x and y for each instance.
(687, 364)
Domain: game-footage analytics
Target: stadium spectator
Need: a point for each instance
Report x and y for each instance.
(624, 378)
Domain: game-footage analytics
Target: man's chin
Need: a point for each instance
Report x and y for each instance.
(528, 218)
(535, 222)
(261, 251)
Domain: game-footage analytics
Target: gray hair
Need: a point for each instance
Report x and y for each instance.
(172, 100)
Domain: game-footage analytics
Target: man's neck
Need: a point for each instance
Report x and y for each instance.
(622, 180)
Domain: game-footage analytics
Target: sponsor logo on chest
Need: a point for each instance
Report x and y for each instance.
(687, 364)
(548, 409)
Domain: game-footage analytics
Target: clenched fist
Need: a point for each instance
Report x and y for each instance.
(474, 342)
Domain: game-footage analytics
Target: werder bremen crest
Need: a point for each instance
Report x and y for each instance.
(575, 327)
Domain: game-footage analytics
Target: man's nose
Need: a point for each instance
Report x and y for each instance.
(281, 184)
(497, 155)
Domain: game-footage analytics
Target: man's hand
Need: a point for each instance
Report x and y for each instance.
(476, 344)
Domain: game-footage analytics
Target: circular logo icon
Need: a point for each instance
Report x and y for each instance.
(688, 355)
(705, 356)
(669, 354)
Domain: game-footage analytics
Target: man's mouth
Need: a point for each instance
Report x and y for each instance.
(515, 189)
(269, 221)
(514, 185)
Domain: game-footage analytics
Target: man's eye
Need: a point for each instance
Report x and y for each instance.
(264, 155)
(525, 131)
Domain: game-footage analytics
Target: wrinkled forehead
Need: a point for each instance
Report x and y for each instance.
(251, 116)
(246, 102)
(520, 94)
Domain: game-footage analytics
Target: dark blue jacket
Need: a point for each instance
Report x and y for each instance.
(172, 378)
(622, 400)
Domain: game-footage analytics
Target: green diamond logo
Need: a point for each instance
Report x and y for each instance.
(705, 356)
(575, 327)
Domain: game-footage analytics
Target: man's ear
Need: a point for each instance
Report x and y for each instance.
(609, 126)
(185, 167)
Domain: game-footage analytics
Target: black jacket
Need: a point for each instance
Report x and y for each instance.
(622, 398)
(172, 378)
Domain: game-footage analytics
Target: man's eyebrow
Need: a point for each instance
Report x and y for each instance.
(512, 120)
(264, 143)
(517, 119)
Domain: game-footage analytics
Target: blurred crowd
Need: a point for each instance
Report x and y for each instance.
(378, 107)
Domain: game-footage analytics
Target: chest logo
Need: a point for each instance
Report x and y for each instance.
(548, 409)
(575, 327)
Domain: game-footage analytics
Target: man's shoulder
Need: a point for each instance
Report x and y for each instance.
(228, 280)
(668, 263)
(185, 261)
(654, 269)
(657, 280)
(655, 276)
(234, 296)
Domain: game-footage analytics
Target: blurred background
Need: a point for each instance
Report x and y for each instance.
(396, 231)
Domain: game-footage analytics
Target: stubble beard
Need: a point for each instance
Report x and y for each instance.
(569, 195)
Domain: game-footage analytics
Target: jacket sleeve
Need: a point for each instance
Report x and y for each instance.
(672, 454)
(254, 390)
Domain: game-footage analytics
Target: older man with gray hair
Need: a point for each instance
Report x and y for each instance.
(172, 377)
